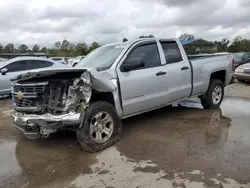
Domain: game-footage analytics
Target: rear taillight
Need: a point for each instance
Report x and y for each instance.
(233, 64)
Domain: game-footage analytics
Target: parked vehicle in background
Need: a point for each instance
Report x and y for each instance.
(19, 65)
(246, 55)
(70, 60)
(241, 58)
(221, 53)
(63, 60)
(2, 59)
(242, 73)
(77, 60)
(114, 82)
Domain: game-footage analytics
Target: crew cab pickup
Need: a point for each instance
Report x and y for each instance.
(114, 82)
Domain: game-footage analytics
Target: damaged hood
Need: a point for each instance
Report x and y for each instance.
(100, 81)
(39, 73)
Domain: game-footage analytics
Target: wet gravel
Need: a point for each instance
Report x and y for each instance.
(183, 146)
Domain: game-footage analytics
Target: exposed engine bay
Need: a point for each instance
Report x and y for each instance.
(46, 104)
(55, 96)
(48, 100)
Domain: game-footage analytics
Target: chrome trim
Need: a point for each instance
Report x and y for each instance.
(31, 84)
(42, 120)
(27, 109)
(29, 91)
(26, 95)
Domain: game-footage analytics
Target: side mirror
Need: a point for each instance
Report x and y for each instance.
(4, 71)
(131, 64)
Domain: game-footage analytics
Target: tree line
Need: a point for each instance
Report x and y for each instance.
(61, 48)
(68, 49)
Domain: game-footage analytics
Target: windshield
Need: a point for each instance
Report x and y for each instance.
(102, 57)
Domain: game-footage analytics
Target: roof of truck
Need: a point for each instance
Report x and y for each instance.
(140, 39)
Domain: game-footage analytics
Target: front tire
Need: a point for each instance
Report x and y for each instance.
(214, 95)
(101, 127)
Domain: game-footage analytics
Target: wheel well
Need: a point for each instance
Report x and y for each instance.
(102, 96)
(219, 75)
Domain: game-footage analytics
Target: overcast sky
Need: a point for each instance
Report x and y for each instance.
(45, 21)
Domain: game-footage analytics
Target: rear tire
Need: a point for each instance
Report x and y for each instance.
(214, 95)
(92, 135)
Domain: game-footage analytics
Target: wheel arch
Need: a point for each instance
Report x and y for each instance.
(110, 97)
(219, 75)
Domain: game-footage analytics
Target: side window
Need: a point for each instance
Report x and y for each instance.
(36, 64)
(172, 52)
(149, 53)
(17, 66)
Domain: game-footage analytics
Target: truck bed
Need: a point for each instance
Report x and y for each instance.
(204, 64)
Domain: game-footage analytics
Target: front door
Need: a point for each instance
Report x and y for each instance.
(143, 89)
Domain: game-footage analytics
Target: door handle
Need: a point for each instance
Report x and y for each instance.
(184, 68)
(160, 73)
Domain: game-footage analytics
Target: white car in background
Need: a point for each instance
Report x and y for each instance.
(16, 66)
(71, 60)
(63, 60)
(2, 59)
(77, 60)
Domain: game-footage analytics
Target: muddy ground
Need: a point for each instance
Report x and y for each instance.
(183, 146)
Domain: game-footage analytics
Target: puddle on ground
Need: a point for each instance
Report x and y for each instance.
(123, 172)
(5, 106)
(6, 112)
(10, 169)
(187, 138)
(54, 161)
(180, 146)
(5, 103)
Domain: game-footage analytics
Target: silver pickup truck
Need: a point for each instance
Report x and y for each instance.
(114, 82)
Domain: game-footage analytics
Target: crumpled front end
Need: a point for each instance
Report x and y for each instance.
(35, 126)
(44, 104)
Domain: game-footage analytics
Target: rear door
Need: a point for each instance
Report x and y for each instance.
(14, 69)
(178, 72)
(145, 88)
(37, 64)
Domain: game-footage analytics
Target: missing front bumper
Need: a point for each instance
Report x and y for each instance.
(35, 126)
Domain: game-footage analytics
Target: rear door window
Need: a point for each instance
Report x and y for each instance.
(171, 51)
(36, 64)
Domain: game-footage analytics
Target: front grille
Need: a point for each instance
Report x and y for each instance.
(24, 102)
(30, 88)
(26, 96)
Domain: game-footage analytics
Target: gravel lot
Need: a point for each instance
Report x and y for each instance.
(183, 146)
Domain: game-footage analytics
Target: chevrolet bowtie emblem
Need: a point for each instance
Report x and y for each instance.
(19, 95)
